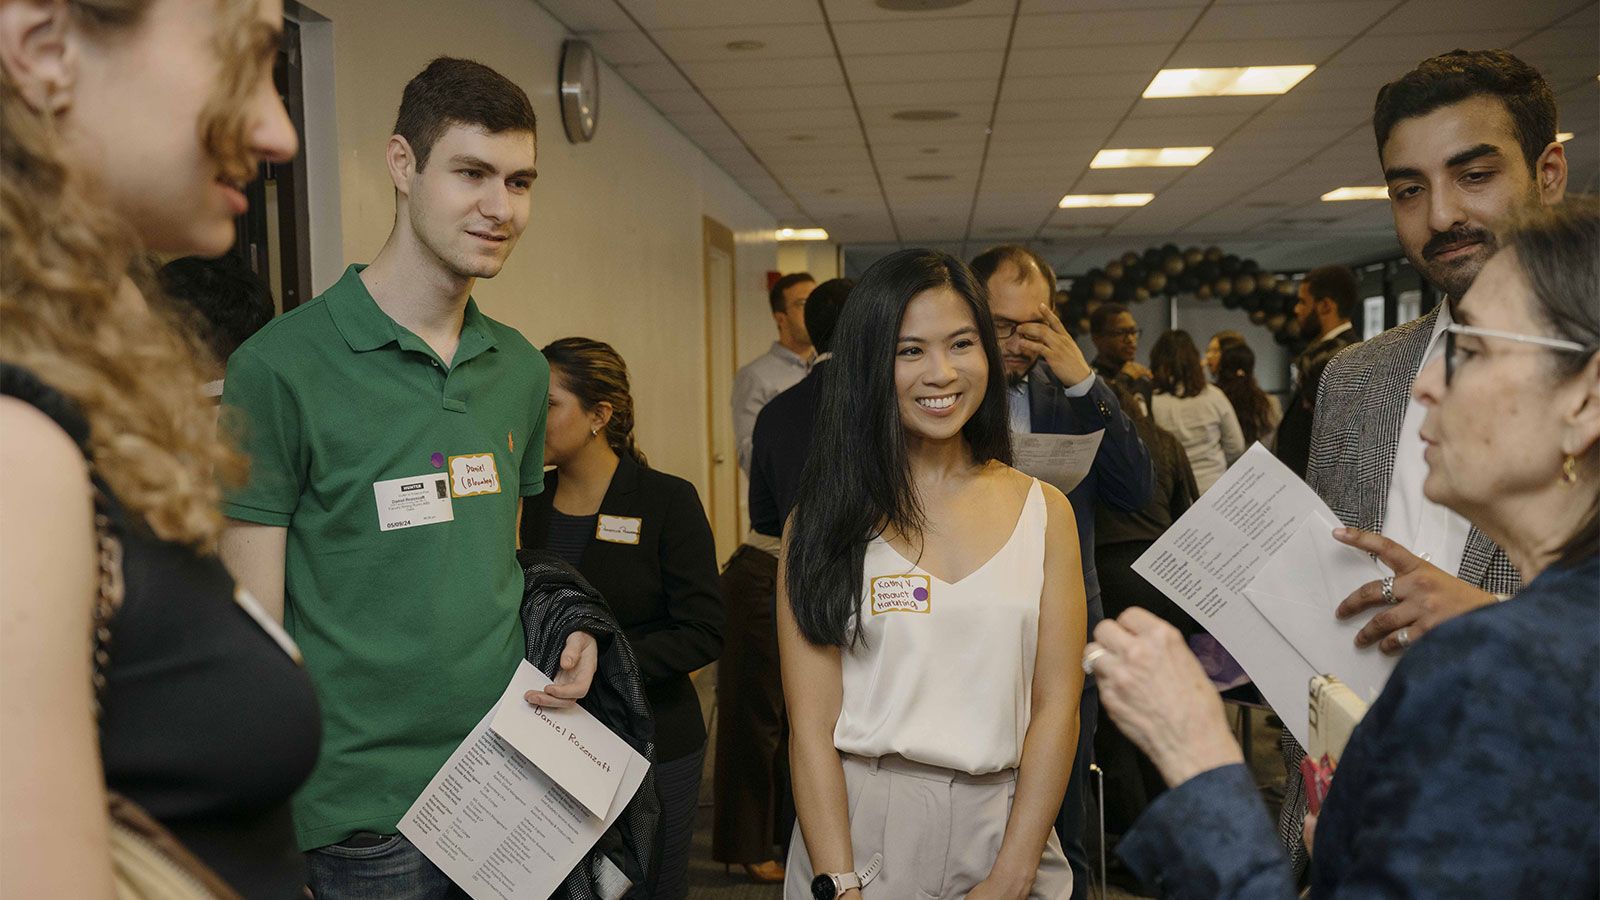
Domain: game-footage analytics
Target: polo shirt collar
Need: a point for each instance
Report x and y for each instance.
(365, 326)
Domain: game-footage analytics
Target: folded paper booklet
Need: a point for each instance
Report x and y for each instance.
(1254, 562)
(524, 797)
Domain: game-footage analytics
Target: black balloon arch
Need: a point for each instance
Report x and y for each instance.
(1267, 297)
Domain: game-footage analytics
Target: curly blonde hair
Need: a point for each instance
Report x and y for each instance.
(71, 275)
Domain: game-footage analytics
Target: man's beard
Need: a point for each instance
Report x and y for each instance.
(1015, 378)
(1453, 279)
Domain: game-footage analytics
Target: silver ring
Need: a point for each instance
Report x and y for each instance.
(1089, 656)
(1388, 590)
(1403, 638)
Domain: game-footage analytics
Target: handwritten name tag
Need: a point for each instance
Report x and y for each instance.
(618, 529)
(902, 593)
(473, 475)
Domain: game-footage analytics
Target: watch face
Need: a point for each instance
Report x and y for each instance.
(822, 888)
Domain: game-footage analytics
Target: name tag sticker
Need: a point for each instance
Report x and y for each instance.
(410, 502)
(618, 529)
(473, 475)
(902, 593)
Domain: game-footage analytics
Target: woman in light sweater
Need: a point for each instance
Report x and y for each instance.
(1196, 413)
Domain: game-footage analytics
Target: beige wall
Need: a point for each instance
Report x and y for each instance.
(820, 258)
(613, 250)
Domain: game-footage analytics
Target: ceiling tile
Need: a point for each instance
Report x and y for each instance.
(1297, 51)
(1425, 16)
(1055, 62)
(982, 66)
(661, 14)
(797, 99)
(711, 44)
(930, 38)
(765, 73)
(867, 11)
(1111, 26)
(1327, 18)
(587, 15)
(624, 47)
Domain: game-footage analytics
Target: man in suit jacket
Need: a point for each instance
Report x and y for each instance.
(1053, 390)
(1465, 140)
(1328, 298)
(751, 803)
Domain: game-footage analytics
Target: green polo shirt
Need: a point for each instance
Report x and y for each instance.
(409, 634)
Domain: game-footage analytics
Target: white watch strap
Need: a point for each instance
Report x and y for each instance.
(857, 880)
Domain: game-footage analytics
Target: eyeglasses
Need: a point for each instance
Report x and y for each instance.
(1120, 333)
(1005, 328)
(1451, 363)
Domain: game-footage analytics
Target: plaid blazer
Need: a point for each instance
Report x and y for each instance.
(1355, 433)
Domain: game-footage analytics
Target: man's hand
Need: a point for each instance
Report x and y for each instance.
(1137, 372)
(578, 662)
(1424, 594)
(1049, 338)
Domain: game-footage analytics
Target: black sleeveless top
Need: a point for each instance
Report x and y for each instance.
(208, 722)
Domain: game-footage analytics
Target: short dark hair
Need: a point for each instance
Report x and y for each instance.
(1175, 365)
(1460, 74)
(460, 92)
(775, 296)
(1336, 283)
(822, 310)
(1101, 318)
(985, 264)
(226, 302)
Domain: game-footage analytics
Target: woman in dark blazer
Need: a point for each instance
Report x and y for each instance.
(642, 539)
(1473, 774)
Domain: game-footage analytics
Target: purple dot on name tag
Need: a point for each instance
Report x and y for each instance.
(920, 593)
(437, 459)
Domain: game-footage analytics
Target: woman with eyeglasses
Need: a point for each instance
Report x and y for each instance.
(1473, 774)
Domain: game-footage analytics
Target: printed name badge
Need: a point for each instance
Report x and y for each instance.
(618, 529)
(409, 502)
(902, 593)
(473, 475)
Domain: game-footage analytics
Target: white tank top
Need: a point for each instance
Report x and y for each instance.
(945, 676)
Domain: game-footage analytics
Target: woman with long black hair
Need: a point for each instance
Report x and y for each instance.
(930, 603)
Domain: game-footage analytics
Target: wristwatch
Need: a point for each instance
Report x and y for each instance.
(832, 885)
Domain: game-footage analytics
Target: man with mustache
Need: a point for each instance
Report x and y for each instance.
(1466, 140)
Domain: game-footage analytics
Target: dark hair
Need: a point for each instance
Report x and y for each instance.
(1555, 249)
(822, 310)
(857, 478)
(1236, 376)
(1336, 283)
(595, 374)
(775, 296)
(460, 92)
(1101, 318)
(1227, 338)
(226, 302)
(985, 264)
(1461, 74)
(1175, 365)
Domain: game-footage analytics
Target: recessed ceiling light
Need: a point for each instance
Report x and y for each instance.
(802, 138)
(1563, 136)
(737, 46)
(919, 5)
(1154, 156)
(801, 234)
(1238, 82)
(1370, 192)
(1088, 201)
(930, 176)
(930, 151)
(833, 190)
(924, 115)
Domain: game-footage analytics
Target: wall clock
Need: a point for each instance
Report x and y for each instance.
(580, 90)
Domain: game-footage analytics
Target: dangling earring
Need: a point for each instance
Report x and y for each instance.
(1569, 470)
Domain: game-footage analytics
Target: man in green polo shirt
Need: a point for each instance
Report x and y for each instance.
(393, 430)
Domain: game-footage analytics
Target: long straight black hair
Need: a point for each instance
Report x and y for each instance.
(857, 477)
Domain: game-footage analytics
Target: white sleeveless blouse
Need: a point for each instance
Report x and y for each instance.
(945, 674)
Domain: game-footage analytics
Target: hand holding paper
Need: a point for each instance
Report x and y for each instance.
(1425, 595)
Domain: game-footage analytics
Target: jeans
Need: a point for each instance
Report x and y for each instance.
(391, 869)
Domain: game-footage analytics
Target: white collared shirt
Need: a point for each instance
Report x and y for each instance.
(1017, 402)
(1412, 520)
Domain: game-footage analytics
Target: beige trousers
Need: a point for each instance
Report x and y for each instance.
(939, 832)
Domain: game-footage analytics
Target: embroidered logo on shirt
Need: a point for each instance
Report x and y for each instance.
(902, 593)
